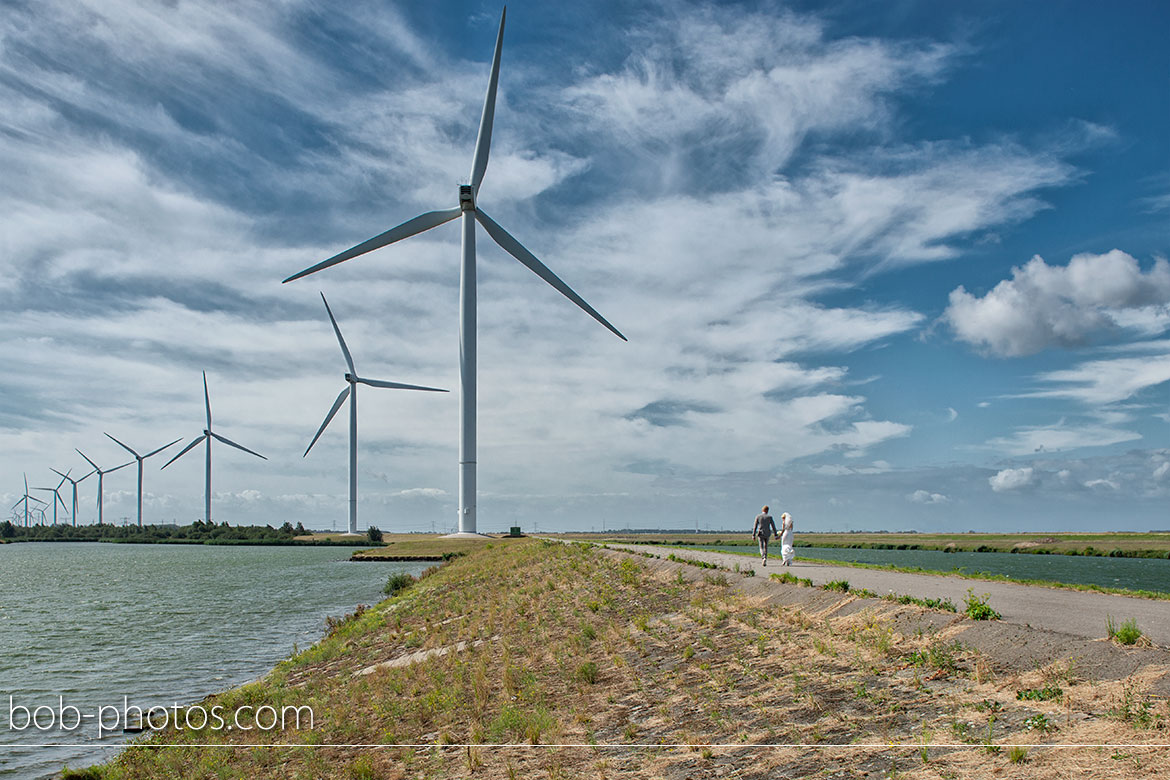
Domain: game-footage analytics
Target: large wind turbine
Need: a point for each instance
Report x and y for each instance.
(25, 499)
(207, 436)
(141, 458)
(350, 391)
(56, 491)
(470, 211)
(73, 482)
(101, 476)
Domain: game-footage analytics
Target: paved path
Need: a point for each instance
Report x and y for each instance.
(1077, 612)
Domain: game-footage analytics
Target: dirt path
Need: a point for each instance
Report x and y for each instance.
(1080, 613)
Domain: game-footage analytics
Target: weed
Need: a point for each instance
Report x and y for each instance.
(944, 604)
(1127, 633)
(1018, 754)
(977, 608)
(716, 579)
(1047, 693)
(688, 653)
(837, 585)
(1038, 722)
(587, 672)
(788, 577)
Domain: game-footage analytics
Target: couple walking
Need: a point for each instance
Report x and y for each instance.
(765, 528)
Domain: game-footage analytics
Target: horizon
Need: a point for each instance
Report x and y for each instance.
(901, 268)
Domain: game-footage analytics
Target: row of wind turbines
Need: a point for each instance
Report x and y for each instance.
(470, 212)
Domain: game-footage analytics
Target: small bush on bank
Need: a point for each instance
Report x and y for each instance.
(398, 583)
(374, 534)
(1127, 633)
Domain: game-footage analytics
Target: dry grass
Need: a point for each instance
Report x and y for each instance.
(658, 675)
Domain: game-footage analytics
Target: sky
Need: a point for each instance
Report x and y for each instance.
(883, 266)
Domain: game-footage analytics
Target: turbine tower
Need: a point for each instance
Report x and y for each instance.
(470, 212)
(56, 491)
(25, 499)
(73, 482)
(350, 391)
(207, 436)
(101, 476)
(141, 458)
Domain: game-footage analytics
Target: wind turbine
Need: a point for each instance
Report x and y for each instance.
(25, 499)
(469, 210)
(73, 482)
(101, 476)
(207, 436)
(141, 458)
(56, 491)
(350, 391)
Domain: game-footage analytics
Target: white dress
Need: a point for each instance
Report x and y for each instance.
(787, 552)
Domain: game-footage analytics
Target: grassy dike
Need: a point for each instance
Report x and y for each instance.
(658, 669)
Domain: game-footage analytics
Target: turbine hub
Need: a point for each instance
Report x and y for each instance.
(349, 378)
(466, 198)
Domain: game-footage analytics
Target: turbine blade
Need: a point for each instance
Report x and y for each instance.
(517, 250)
(207, 400)
(329, 418)
(160, 449)
(483, 142)
(61, 500)
(123, 446)
(87, 460)
(397, 385)
(87, 476)
(124, 465)
(184, 451)
(340, 340)
(66, 476)
(237, 446)
(410, 227)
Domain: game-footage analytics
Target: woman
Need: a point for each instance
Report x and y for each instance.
(787, 551)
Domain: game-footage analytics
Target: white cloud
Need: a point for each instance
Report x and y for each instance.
(1161, 471)
(926, 497)
(421, 493)
(1011, 479)
(1102, 484)
(1108, 381)
(1061, 436)
(952, 415)
(1043, 306)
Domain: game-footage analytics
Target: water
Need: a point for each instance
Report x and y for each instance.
(1133, 573)
(157, 623)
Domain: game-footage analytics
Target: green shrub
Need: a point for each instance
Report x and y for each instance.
(1047, 693)
(373, 534)
(398, 583)
(977, 608)
(587, 672)
(838, 585)
(1127, 633)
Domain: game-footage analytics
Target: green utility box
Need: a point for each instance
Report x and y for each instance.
(515, 531)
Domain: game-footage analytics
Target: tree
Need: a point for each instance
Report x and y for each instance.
(374, 534)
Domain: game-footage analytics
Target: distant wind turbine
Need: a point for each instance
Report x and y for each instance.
(25, 499)
(141, 458)
(350, 391)
(470, 212)
(56, 491)
(73, 482)
(101, 477)
(207, 436)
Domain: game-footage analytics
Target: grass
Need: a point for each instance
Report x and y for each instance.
(423, 547)
(1127, 545)
(1127, 633)
(581, 646)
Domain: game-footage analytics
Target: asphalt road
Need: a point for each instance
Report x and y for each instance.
(1076, 612)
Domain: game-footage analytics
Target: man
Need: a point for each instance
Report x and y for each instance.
(764, 529)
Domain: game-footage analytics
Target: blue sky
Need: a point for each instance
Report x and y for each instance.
(883, 266)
